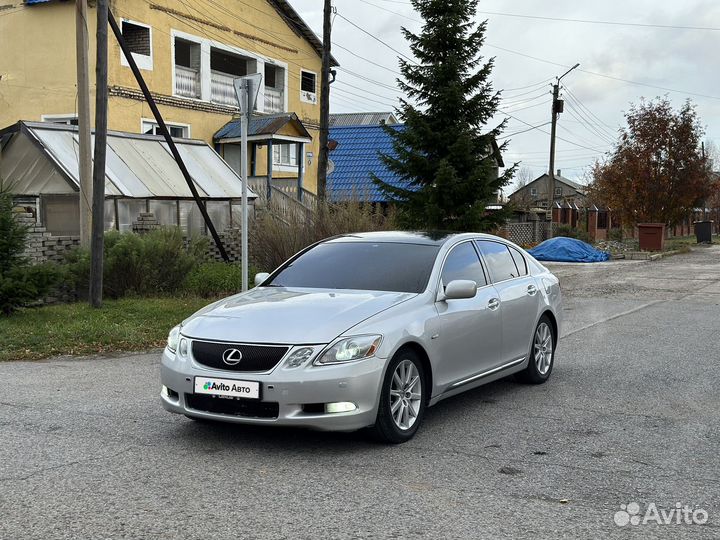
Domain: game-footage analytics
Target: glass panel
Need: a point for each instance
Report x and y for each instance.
(61, 214)
(382, 266)
(191, 220)
(498, 258)
(463, 263)
(165, 212)
(519, 261)
(128, 210)
(109, 214)
(307, 83)
(219, 212)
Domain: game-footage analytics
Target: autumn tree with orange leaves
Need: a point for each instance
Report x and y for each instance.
(656, 172)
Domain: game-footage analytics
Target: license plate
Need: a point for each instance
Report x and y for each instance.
(227, 387)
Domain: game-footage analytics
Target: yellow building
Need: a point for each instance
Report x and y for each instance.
(188, 51)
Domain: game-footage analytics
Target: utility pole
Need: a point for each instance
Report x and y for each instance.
(557, 108)
(324, 103)
(83, 92)
(101, 114)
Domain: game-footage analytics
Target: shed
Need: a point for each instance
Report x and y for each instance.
(39, 163)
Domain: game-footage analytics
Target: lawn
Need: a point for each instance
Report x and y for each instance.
(130, 324)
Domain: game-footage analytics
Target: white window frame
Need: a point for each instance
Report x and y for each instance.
(279, 165)
(58, 118)
(144, 122)
(533, 192)
(558, 191)
(142, 61)
(305, 96)
(205, 77)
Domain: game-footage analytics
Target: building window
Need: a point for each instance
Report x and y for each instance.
(138, 38)
(181, 131)
(66, 119)
(533, 192)
(187, 68)
(285, 155)
(225, 67)
(274, 88)
(558, 191)
(308, 86)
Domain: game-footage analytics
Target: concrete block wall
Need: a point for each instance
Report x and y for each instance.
(42, 246)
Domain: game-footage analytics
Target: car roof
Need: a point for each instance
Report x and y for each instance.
(433, 238)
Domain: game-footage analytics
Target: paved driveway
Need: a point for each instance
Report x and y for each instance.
(631, 414)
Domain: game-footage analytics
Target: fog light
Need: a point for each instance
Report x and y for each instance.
(299, 357)
(164, 391)
(340, 406)
(183, 348)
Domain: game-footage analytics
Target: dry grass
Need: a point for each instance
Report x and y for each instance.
(276, 236)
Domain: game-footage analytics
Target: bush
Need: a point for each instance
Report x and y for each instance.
(154, 263)
(20, 283)
(616, 235)
(275, 235)
(214, 279)
(571, 232)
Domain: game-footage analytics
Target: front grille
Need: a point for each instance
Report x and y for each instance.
(254, 357)
(248, 408)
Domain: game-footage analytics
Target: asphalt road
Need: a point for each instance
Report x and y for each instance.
(631, 414)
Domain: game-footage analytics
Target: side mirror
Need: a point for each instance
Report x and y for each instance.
(460, 288)
(260, 278)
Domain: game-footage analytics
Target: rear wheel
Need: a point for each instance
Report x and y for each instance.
(402, 399)
(542, 353)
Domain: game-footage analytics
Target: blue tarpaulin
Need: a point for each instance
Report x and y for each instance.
(562, 249)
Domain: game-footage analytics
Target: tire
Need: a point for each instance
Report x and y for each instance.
(542, 353)
(398, 423)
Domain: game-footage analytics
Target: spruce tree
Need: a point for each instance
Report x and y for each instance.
(444, 150)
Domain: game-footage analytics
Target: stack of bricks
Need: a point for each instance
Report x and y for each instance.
(232, 242)
(41, 245)
(146, 222)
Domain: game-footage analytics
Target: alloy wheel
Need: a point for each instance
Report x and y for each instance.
(405, 394)
(543, 346)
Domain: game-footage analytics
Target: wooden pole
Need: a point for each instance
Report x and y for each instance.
(83, 97)
(324, 103)
(101, 114)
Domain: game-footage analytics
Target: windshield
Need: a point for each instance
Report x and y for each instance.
(382, 266)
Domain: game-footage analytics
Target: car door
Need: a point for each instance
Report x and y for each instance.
(470, 337)
(518, 293)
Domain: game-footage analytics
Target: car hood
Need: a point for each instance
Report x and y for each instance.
(288, 315)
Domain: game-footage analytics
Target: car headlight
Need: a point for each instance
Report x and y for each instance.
(173, 338)
(349, 349)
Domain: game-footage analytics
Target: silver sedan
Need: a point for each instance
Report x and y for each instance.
(366, 330)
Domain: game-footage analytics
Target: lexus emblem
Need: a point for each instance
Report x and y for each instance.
(232, 357)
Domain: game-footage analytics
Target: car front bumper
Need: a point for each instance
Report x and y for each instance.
(293, 390)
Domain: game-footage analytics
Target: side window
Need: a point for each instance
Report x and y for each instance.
(463, 263)
(499, 260)
(519, 261)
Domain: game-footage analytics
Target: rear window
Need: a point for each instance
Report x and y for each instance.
(380, 266)
(519, 261)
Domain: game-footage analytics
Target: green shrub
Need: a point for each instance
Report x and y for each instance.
(214, 279)
(616, 235)
(20, 283)
(154, 263)
(571, 232)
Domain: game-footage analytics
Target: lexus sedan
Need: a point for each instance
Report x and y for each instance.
(366, 331)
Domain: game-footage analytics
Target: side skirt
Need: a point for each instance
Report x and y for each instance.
(481, 378)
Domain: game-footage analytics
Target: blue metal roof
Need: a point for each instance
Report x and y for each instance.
(356, 157)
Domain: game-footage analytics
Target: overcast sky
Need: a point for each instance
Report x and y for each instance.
(672, 58)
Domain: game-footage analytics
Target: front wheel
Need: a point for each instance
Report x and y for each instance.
(542, 353)
(402, 399)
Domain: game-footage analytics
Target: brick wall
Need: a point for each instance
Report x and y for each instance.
(42, 246)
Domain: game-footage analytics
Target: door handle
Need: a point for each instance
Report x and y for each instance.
(531, 290)
(493, 304)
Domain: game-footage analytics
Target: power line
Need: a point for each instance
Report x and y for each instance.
(524, 130)
(595, 73)
(375, 38)
(582, 105)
